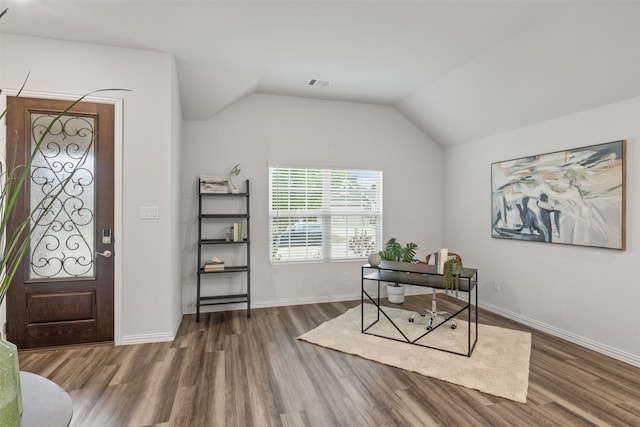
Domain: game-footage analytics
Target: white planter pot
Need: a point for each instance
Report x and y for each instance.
(395, 294)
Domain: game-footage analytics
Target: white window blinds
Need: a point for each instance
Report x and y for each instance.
(324, 214)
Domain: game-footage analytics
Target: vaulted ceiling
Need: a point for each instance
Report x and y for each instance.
(460, 70)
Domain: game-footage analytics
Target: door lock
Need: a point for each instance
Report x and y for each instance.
(106, 254)
(106, 236)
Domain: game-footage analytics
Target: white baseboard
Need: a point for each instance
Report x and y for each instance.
(147, 338)
(613, 352)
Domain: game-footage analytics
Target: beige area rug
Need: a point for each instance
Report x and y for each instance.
(499, 364)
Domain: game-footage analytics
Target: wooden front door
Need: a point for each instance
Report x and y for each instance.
(63, 292)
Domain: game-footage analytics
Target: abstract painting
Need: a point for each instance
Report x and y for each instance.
(574, 197)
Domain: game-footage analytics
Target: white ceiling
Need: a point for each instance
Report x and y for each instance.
(460, 70)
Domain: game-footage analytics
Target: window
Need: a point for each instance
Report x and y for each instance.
(324, 214)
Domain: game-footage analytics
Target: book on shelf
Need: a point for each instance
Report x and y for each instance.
(212, 267)
(441, 258)
(237, 232)
(215, 264)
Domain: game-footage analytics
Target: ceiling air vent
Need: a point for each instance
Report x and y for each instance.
(318, 83)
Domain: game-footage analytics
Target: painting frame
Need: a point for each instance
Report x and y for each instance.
(575, 197)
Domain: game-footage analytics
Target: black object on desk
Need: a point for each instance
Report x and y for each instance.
(423, 275)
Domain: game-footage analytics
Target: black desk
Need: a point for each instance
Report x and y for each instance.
(423, 275)
(44, 403)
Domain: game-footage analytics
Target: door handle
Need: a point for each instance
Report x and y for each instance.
(106, 254)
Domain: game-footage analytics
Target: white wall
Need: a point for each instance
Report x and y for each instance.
(586, 295)
(175, 206)
(265, 128)
(147, 267)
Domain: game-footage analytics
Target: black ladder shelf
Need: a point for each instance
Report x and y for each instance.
(203, 242)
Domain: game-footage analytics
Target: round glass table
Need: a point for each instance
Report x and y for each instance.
(44, 402)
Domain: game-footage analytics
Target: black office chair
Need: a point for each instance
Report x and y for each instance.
(433, 313)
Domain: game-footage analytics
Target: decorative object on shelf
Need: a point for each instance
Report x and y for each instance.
(574, 197)
(213, 184)
(374, 259)
(394, 251)
(235, 171)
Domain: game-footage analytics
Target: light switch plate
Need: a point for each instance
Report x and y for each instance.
(149, 212)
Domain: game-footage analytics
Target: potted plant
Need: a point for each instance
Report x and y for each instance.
(451, 275)
(394, 251)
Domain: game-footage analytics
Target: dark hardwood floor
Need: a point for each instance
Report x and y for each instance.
(228, 370)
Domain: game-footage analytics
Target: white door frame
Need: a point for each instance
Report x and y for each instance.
(117, 190)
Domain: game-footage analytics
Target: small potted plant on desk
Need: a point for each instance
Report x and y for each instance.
(453, 270)
(394, 251)
(451, 275)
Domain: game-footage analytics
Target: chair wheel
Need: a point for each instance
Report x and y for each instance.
(453, 326)
(429, 328)
(411, 319)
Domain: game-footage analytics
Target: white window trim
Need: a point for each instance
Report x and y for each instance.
(329, 252)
